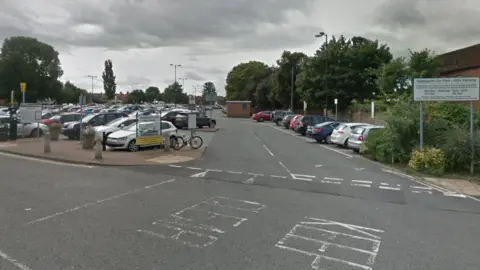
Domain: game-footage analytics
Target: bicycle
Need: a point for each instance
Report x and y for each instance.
(182, 141)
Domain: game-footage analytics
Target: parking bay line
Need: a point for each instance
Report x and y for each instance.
(77, 208)
(11, 260)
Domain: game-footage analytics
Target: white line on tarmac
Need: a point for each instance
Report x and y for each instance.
(96, 202)
(285, 167)
(19, 265)
(175, 166)
(389, 188)
(278, 176)
(234, 172)
(47, 161)
(360, 185)
(333, 178)
(268, 150)
(362, 181)
(194, 168)
(337, 151)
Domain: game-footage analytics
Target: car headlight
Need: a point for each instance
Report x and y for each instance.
(122, 138)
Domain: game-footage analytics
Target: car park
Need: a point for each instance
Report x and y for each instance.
(72, 130)
(359, 134)
(262, 116)
(342, 132)
(26, 129)
(322, 132)
(115, 125)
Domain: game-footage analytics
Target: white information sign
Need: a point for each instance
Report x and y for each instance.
(446, 89)
(30, 113)
(191, 99)
(192, 120)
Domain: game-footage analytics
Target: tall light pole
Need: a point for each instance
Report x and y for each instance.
(175, 84)
(292, 90)
(91, 95)
(319, 35)
(183, 82)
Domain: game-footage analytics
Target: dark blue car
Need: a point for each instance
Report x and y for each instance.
(322, 132)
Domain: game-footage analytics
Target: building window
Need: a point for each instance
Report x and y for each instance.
(244, 106)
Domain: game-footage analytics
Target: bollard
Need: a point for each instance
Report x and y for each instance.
(104, 142)
(46, 143)
(166, 143)
(98, 147)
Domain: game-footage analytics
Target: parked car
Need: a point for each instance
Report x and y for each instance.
(63, 118)
(322, 132)
(279, 115)
(294, 120)
(341, 133)
(126, 138)
(27, 129)
(115, 125)
(72, 130)
(359, 134)
(181, 120)
(170, 115)
(286, 120)
(305, 121)
(262, 116)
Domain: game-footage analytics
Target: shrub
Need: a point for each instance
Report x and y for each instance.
(54, 130)
(430, 161)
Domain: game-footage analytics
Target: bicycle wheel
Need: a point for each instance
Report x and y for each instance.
(178, 144)
(196, 142)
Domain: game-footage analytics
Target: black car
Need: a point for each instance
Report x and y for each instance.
(181, 121)
(72, 130)
(309, 120)
(279, 115)
(286, 120)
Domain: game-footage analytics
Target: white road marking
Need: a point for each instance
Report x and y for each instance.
(28, 209)
(318, 165)
(359, 169)
(199, 175)
(213, 170)
(233, 172)
(330, 182)
(333, 178)
(337, 151)
(278, 176)
(421, 187)
(268, 150)
(360, 185)
(362, 181)
(302, 177)
(11, 260)
(194, 168)
(176, 237)
(47, 161)
(256, 174)
(285, 167)
(384, 184)
(176, 221)
(453, 194)
(175, 166)
(96, 202)
(389, 188)
(249, 180)
(420, 191)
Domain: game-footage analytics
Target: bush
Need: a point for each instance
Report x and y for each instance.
(430, 161)
(88, 138)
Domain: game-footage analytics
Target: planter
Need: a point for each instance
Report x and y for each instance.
(88, 138)
(55, 131)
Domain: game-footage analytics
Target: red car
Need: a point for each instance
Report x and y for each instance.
(262, 116)
(294, 120)
(63, 118)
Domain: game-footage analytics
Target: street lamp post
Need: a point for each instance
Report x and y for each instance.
(175, 83)
(319, 35)
(91, 95)
(183, 82)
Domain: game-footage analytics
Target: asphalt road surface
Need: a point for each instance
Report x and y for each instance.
(259, 198)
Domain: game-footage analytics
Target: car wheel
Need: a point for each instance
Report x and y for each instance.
(356, 150)
(132, 146)
(328, 139)
(212, 124)
(36, 132)
(261, 119)
(345, 144)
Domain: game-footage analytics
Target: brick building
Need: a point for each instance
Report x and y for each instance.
(462, 62)
(237, 108)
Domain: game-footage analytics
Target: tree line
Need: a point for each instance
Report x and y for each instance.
(355, 69)
(28, 60)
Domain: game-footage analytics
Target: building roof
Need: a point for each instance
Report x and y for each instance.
(461, 59)
(238, 101)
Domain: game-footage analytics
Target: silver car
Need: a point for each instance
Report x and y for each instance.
(26, 130)
(358, 136)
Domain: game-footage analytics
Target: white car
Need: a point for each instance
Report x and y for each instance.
(341, 133)
(126, 138)
(115, 125)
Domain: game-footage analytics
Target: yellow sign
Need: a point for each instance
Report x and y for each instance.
(23, 87)
(149, 140)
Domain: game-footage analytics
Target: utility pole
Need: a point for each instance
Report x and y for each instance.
(183, 82)
(175, 74)
(293, 88)
(319, 35)
(91, 95)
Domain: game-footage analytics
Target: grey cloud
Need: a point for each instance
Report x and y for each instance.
(134, 81)
(191, 75)
(193, 58)
(204, 69)
(400, 14)
(157, 23)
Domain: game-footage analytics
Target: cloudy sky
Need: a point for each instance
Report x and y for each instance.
(209, 37)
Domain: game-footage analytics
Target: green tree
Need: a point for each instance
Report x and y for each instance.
(25, 59)
(243, 79)
(152, 93)
(208, 89)
(289, 66)
(109, 85)
(136, 96)
(174, 94)
(71, 93)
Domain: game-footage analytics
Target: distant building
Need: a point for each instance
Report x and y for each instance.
(463, 62)
(236, 108)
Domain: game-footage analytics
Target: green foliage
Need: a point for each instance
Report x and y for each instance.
(109, 85)
(174, 94)
(136, 96)
(25, 59)
(152, 93)
(430, 160)
(208, 89)
(70, 93)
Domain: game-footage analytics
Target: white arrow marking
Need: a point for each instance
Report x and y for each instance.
(198, 175)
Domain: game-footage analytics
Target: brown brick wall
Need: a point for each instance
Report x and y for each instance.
(238, 110)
